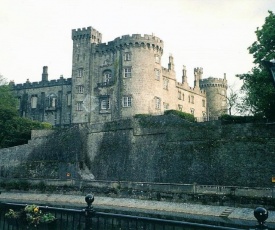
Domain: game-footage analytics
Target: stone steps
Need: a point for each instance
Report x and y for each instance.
(226, 212)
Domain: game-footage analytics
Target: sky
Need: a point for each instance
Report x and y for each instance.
(212, 34)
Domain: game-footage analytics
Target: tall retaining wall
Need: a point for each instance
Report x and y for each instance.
(163, 149)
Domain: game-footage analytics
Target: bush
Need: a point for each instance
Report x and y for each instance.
(230, 119)
(186, 116)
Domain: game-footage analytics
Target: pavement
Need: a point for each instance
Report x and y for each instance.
(184, 211)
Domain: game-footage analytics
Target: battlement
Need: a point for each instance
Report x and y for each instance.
(190, 89)
(149, 41)
(57, 82)
(213, 82)
(86, 33)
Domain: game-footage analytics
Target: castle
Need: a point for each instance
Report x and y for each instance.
(116, 80)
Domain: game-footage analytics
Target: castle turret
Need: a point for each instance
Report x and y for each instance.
(45, 73)
(197, 76)
(171, 63)
(216, 95)
(184, 75)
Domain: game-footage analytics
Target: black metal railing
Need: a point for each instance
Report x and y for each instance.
(88, 218)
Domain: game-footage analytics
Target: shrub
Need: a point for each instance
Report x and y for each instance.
(186, 116)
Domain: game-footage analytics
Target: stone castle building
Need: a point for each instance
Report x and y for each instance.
(117, 80)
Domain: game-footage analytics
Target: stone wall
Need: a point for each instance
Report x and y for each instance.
(163, 149)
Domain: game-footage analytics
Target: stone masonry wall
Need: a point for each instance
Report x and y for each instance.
(162, 149)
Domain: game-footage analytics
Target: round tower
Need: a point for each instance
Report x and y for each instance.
(216, 96)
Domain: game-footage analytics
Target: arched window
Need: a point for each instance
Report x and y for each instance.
(52, 100)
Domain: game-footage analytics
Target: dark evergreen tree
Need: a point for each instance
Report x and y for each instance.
(258, 85)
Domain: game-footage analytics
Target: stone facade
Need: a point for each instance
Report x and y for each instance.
(117, 80)
(163, 149)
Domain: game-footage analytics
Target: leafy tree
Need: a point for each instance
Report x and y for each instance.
(257, 85)
(14, 130)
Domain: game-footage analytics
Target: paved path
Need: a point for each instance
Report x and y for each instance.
(155, 207)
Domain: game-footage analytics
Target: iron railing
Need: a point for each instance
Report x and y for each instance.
(88, 218)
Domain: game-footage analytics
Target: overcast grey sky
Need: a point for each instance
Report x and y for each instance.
(213, 34)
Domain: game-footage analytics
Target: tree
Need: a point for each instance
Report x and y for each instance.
(14, 130)
(258, 89)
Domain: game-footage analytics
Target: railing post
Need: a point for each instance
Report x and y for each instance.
(89, 211)
(261, 214)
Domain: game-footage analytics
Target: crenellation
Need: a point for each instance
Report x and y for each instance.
(115, 80)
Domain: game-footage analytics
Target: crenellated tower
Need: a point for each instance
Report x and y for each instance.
(216, 95)
(197, 76)
(81, 82)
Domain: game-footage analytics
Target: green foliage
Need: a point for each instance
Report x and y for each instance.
(258, 86)
(14, 130)
(186, 116)
(229, 119)
(142, 115)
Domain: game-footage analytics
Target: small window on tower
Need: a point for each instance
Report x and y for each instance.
(127, 56)
(127, 101)
(127, 72)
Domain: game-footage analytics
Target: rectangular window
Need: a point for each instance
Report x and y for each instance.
(127, 101)
(157, 59)
(34, 102)
(69, 99)
(157, 101)
(179, 95)
(180, 107)
(203, 103)
(127, 72)
(18, 104)
(192, 111)
(157, 74)
(127, 56)
(165, 106)
(80, 72)
(79, 106)
(192, 99)
(80, 89)
(105, 104)
(165, 83)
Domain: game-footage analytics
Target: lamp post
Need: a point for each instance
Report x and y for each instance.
(271, 66)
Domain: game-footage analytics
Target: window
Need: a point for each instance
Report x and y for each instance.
(157, 74)
(203, 103)
(127, 101)
(80, 89)
(192, 99)
(127, 56)
(157, 102)
(183, 96)
(165, 106)
(79, 106)
(18, 104)
(180, 107)
(80, 73)
(192, 111)
(52, 100)
(157, 59)
(179, 95)
(105, 103)
(69, 99)
(34, 102)
(165, 83)
(107, 77)
(127, 72)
